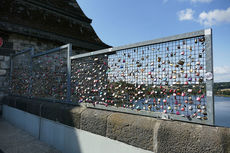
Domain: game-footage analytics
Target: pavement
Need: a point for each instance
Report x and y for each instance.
(15, 140)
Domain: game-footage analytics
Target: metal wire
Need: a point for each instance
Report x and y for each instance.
(164, 77)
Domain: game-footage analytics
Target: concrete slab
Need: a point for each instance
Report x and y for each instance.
(14, 140)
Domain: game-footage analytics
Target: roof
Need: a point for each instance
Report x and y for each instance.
(58, 20)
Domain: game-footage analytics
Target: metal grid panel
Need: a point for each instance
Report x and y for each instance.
(20, 73)
(164, 77)
(50, 74)
(45, 75)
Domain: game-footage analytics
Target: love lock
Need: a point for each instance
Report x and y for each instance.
(159, 59)
(181, 62)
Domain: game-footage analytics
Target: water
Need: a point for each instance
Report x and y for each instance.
(222, 110)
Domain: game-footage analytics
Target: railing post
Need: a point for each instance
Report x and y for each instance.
(69, 52)
(11, 71)
(31, 72)
(209, 76)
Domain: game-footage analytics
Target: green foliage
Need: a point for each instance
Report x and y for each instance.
(220, 86)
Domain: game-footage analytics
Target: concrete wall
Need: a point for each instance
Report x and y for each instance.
(147, 133)
(65, 138)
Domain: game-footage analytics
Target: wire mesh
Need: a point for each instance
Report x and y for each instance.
(20, 74)
(49, 73)
(166, 77)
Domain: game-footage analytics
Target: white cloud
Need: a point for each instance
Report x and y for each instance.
(214, 17)
(186, 14)
(201, 1)
(222, 74)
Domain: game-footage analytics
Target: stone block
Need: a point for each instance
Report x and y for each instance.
(70, 115)
(4, 100)
(76, 116)
(2, 72)
(2, 78)
(66, 114)
(1, 58)
(50, 111)
(179, 137)
(34, 106)
(5, 64)
(21, 103)
(132, 129)
(94, 121)
(7, 58)
(11, 101)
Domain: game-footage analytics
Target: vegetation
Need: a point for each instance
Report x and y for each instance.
(222, 89)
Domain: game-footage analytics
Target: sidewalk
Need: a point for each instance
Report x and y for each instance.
(14, 140)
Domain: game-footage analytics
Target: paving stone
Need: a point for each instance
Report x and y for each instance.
(14, 140)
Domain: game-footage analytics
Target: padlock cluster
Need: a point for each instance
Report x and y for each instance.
(89, 79)
(20, 76)
(50, 76)
(166, 77)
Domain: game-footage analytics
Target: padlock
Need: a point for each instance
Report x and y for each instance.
(181, 62)
(159, 59)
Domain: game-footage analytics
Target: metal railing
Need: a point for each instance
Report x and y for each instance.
(169, 78)
(20, 72)
(44, 75)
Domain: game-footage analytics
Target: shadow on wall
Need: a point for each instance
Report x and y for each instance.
(49, 130)
(61, 136)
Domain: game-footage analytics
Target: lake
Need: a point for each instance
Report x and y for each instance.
(222, 110)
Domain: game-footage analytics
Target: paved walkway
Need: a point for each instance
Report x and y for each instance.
(14, 140)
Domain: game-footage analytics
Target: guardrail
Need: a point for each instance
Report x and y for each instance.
(44, 75)
(169, 78)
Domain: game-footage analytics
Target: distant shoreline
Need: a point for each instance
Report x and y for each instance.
(222, 95)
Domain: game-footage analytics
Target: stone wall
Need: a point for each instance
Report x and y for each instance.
(4, 72)
(159, 136)
(21, 42)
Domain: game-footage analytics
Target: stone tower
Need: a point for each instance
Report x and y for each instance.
(43, 24)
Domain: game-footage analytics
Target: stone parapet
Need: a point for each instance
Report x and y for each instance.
(159, 136)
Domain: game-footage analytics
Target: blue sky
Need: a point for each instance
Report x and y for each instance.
(122, 22)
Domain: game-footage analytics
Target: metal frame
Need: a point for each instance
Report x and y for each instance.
(209, 69)
(209, 82)
(207, 33)
(68, 54)
(145, 43)
(31, 50)
(32, 55)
